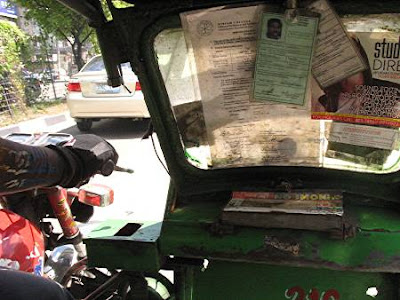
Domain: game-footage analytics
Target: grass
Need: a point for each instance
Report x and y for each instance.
(34, 111)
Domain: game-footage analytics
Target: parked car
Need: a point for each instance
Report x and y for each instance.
(46, 75)
(32, 87)
(89, 98)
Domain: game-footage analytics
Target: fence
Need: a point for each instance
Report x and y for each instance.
(8, 98)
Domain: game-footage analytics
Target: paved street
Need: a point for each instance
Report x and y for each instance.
(138, 196)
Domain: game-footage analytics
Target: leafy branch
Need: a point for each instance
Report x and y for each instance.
(59, 21)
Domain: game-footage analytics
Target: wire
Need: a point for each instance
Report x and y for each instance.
(159, 158)
(122, 76)
(129, 91)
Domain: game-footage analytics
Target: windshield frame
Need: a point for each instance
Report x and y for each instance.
(191, 180)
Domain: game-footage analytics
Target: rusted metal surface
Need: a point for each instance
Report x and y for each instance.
(370, 245)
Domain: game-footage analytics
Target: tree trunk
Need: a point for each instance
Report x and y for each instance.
(79, 62)
(77, 53)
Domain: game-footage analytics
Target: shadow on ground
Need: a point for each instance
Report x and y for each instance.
(115, 129)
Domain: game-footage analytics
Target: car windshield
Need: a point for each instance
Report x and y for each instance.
(217, 69)
(97, 64)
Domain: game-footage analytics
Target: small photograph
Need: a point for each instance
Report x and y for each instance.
(274, 29)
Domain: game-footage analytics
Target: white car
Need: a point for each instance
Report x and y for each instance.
(89, 98)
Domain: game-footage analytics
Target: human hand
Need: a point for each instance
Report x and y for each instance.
(96, 154)
(86, 155)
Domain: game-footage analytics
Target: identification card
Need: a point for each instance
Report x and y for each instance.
(284, 57)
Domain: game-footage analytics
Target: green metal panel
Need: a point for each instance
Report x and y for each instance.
(121, 244)
(246, 281)
(190, 232)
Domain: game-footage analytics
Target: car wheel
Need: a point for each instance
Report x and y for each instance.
(84, 124)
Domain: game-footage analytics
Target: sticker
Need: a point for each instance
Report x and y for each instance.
(368, 136)
(38, 268)
(321, 202)
(370, 97)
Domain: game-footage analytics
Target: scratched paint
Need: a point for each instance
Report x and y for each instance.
(293, 248)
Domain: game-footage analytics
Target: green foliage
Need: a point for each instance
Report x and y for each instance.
(52, 17)
(106, 10)
(116, 3)
(56, 20)
(121, 4)
(13, 49)
(13, 46)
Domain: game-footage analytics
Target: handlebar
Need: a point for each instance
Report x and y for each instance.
(110, 166)
(42, 139)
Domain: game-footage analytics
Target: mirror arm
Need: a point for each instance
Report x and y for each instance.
(112, 52)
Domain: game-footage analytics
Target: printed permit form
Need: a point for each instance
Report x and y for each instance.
(284, 57)
(241, 131)
(335, 56)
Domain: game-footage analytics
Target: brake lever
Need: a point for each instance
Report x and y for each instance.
(110, 166)
(126, 170)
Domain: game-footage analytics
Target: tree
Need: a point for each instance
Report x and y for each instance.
(13, 48)
(55, 19)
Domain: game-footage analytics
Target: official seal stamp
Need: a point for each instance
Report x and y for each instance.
(205, 27)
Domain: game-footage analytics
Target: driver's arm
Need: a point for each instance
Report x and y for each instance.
(24, 167)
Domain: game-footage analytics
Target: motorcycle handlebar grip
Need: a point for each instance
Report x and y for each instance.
(107, 168)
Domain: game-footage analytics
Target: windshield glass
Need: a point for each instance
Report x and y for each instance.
(240, 96)
(97, 64)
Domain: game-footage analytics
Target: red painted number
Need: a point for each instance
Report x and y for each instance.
(295, 293)
(331, 295)
(298, 293)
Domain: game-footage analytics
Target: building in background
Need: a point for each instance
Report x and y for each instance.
(58, 54)
(8, 12)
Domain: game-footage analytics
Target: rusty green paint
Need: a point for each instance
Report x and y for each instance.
(188, 233)
(376, 242)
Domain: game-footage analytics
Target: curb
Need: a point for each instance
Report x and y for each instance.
(52, 123)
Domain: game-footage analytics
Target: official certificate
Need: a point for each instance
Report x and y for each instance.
(241, 131)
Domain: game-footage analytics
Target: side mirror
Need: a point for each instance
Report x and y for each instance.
(60, 261)
(96, 195)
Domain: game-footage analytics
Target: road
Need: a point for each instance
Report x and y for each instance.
(138, 196)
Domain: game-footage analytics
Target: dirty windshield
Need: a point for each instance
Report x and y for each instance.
(250, 86)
